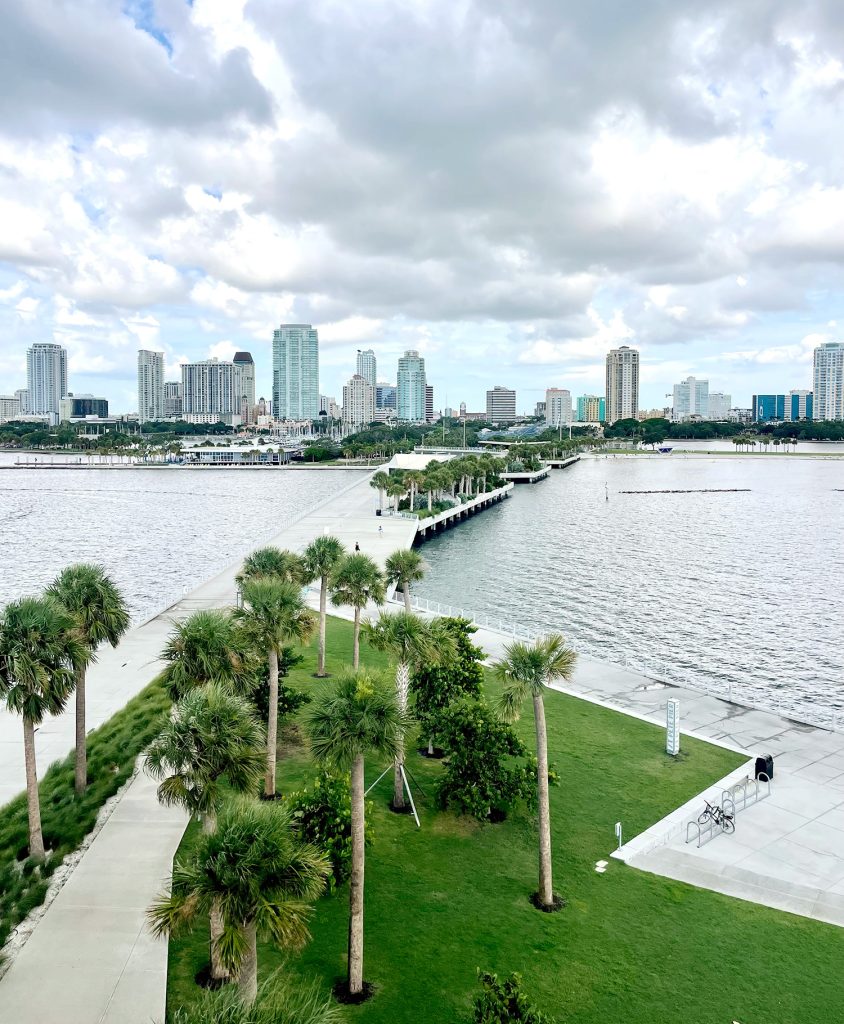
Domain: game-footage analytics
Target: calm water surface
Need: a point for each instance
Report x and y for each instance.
(736, 589)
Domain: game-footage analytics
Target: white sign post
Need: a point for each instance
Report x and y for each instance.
(672, 727)
(618, 833)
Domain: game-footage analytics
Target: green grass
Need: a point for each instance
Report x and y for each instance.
(65, 818)
(630, 947)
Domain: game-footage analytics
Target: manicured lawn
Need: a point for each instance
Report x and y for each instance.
(634, 948)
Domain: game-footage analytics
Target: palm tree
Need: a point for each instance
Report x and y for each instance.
(402, 568)
(396, 490)
(380, 482)
(359, 717)
(356, 581)
(525, 671)
(212, 734)
(100, 616)
(414, 480)
(39, 653)
(321, 558)
(208, 647)
(261, 877)
(274, 563)
(413, 643)
(274, 614)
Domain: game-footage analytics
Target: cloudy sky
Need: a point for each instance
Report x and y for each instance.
(510, 188)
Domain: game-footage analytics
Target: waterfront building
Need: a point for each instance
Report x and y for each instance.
(622, 384)
(768, 407)
(211, 392)
(22, 395)
(172, 400)
(828, 381)
(719, 405)
(799, 405)
(557, 407)
(366, 366)
(738, 415)
(411, 396)
(46, 379)
(500, 405)
(246, 365)
(358, 402)
(10, 407)
(591, 409)
(79, 407)
(691, 400)
(295, 372)
(429, 403)
(150, 385)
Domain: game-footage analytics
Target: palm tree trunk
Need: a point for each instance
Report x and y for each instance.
(215, 917)
(546, 890)
(402, 690)
(381, 498)
(272, 725)
(323, 597)
(356, 648)
(36, 840)
(406, 589)
(430, 500)
(356, 881)
(247, 975)
(81, 781)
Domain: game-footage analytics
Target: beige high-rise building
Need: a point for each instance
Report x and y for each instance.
(622, 384)
(358, 402)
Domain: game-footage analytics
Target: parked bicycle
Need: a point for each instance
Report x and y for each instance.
(717, 816)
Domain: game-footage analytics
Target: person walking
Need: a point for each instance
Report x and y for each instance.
(357, 546)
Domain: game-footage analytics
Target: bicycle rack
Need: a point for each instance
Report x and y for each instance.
(737, 798)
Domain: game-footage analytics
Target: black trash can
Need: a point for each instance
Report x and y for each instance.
(765, 764)
(377, 511)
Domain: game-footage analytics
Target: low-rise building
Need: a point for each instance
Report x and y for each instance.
(591, 409)
(74, 407)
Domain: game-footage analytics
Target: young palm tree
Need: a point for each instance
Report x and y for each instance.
(321, 558)
(273, 563)
(212, 735)
(379, 481)
(274, 614)
(39, 652)
(208, 647)
(402, 568)
(359, 717)
(413, 643)
(525, 671)
(101, 616)
(261, 877)
(356, 581)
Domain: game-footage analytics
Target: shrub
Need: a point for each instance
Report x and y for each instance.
(503, 1002)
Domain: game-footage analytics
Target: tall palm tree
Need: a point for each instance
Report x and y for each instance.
(525, 671)
(274, 563)
(413, 643)
(208, 647)
(274, 614)
(261, 877)
(39, 652)
(414, 480)
(321, 558)
(359, 717)
(402, 568)
(380, 481)
(396, 490)
(100, 616)
(356, 581)
(212, 735)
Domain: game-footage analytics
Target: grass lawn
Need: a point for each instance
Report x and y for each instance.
(630, 947)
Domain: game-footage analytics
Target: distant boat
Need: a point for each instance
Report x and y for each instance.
(665, 451)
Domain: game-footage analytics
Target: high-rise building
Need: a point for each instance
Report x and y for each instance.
(22, 395)
(295, 372)
(385, 396)
(410, 388)
(211, 392)
(172, 400)
(500, 405)
(691, 399)
(46, 379)
(799, 405)
(768, 407)
(719, 405)
(557, 407)
(78, 407)
(429, 403)
(366, 365)
(246, 365)
(796, 405)
(358, 402)
(539, 410)
(10, 407)
(622, 384)
(828, 381)
(150, 385)
(591, 409)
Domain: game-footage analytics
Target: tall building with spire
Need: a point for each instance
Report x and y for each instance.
(622, 384)
(295, 372)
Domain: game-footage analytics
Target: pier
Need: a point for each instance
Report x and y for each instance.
(527, 476)
(433, 524)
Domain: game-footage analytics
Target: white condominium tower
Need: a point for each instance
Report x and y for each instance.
(410, 388)
(557, 407)
(358, 402)
(691, 398)
(46, 379)
(622, 384)
(211, 392)
(828, 384)
(150, 385)
(295, 372)
(366, 365)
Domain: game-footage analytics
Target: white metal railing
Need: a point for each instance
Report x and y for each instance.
(514, 630)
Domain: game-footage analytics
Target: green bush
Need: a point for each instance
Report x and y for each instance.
(503, 1002)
